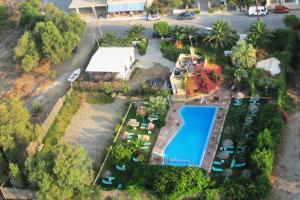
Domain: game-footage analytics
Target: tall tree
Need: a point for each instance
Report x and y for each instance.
(259, 35)
(51, 40)
(221, 35)
(136, 32)
(162, 28)
(15, 129)
(27, 52)
(60, 174)
(243, 55)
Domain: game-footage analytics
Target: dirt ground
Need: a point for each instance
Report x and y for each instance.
(93, 127)
(156, 71)
(286, 175)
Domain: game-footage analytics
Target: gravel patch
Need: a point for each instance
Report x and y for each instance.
(93, 127)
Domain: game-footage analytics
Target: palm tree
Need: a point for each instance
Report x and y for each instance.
(259, 34)
(240, 74)
(221, 35)
(136, 145)
(136, 32)
(243, 55)
(157, 105)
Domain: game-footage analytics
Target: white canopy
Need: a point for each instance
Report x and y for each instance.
(111, 59)
(272, 65)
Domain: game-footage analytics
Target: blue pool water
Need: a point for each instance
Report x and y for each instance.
(188, 145)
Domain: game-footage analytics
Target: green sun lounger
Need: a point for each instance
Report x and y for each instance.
(147, 143)
(135, 159)
(130, 134)
(232, 163)
(111, 178)
(106, 182)
(229, 151)
(238, 104)
(121, 168)
(217, 163)
(215, 169)
(229, 147)
(143, 124)
(120, 187)
(240, 165)
(145, 147)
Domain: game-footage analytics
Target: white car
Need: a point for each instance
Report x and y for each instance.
(154, 17)
(74, 75)
(259, 10)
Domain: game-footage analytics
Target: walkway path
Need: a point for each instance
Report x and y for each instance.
(286, 175)
(93, 127)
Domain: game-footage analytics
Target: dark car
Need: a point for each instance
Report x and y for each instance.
(186, 15)
(281, 9)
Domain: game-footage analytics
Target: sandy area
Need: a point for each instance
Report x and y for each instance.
(286, 175)
(93, 126)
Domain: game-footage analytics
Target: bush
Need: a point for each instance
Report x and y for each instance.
(37, 106)
(290, 21)
(107, 88)
(171, 52)
(121, 152)
(142, 46)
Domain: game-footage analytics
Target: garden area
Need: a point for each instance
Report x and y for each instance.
(135, 137)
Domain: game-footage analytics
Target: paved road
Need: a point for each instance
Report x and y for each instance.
(240, 22)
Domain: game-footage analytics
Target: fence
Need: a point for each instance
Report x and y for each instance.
(33, 145)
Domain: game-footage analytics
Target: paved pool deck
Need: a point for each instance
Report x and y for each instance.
(174, 121)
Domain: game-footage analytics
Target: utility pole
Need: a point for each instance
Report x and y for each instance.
(256, 2)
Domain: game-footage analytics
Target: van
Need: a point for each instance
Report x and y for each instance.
(259, 10)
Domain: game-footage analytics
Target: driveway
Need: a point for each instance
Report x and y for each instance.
(286, 174)
(93, 127)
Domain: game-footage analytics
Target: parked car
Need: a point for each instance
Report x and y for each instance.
(259, 10)
(186, 15)
(154, 17)
(281, 9)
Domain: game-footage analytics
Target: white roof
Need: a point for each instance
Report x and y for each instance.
(110, 59)
(87, 3)
(271, 65)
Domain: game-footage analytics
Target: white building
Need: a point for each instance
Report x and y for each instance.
(116, 61)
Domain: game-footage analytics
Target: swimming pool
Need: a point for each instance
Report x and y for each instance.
(188, 145)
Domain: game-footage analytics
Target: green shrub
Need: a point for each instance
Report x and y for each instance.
(142, 46)
(107, 88)
(121, 152)
(37, 106)
(99, 98)
(171, 52)
(63, 119)
(290, 21)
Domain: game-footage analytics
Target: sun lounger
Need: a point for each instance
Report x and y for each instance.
(106, 182)
(147, 143)
(229, 147)
(143, 124)
(131, 134)
(238, 104)
(111, 178)
(238, 101)
(145, 147)
(142, 127)
(121, 168)
(217, 163)
(215, 169)
(240, 165)
(229, 151)
(129, 137)
(120, 187)
(232, 163)
(135, 159)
